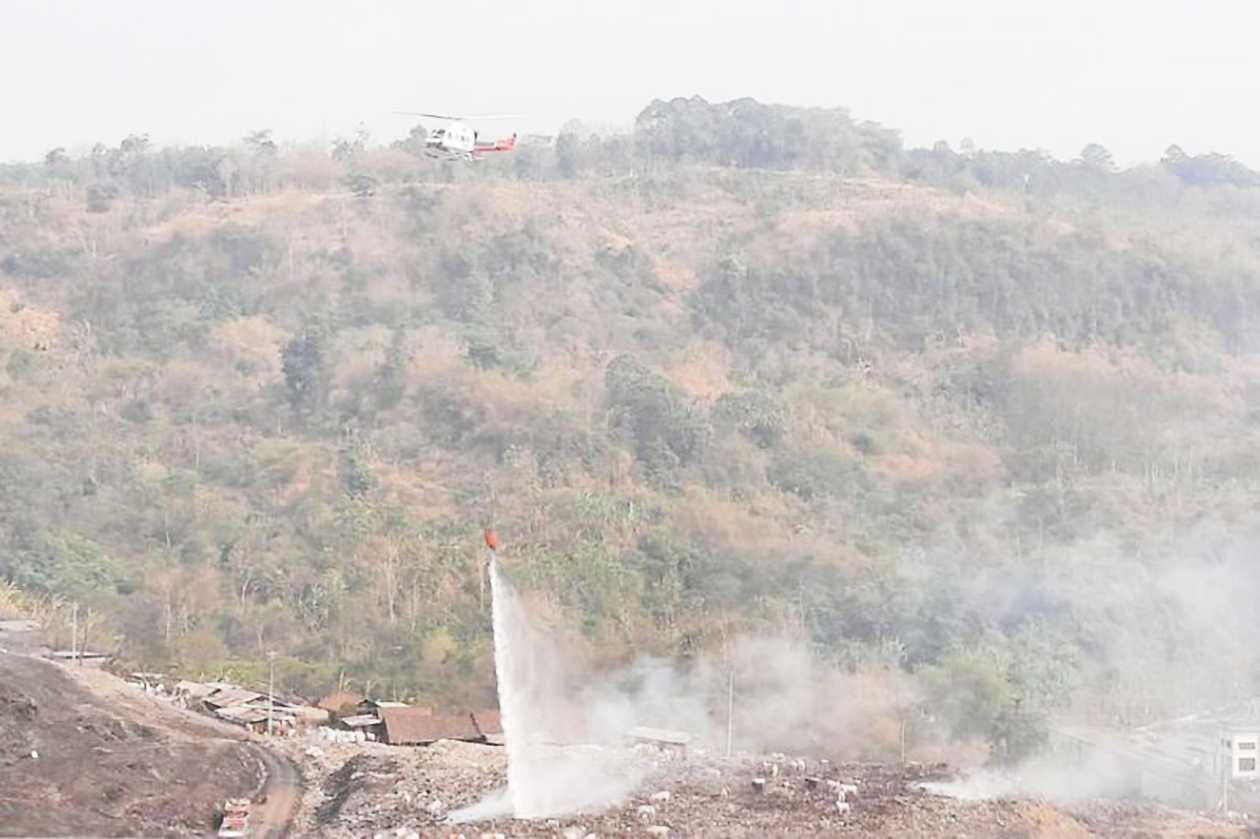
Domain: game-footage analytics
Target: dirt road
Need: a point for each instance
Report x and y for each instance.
(282, 791)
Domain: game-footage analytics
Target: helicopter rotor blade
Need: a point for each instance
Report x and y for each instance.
(430, 116)
(452, 118)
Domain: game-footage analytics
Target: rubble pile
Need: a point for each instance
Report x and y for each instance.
(373, 790)
(362, 788)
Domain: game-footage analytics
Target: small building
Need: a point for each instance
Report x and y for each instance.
(308, 716)
(421, 726)
(227, 696)
(1239, 753)
(255, 718)
(369, 724)
(374, 706)
(340, 703)
(193, 690)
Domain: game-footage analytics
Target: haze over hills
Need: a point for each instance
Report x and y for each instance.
(975, 429)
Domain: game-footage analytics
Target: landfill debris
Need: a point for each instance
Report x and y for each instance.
(397, 833)
(371, 789)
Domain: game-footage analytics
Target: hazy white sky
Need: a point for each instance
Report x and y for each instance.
(1134, 75)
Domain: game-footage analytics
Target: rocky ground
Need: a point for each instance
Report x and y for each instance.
(82, 753)
(371, 789)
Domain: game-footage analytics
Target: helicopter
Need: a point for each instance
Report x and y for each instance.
(458, 141)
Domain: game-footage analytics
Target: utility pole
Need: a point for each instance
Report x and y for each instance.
(1227, 766)
(271, 687)
(730, 710)
(74, 631)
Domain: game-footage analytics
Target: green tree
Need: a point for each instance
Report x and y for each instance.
(306, 372)
(1098, 158)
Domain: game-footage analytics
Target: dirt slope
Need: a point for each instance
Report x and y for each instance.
(82, 753)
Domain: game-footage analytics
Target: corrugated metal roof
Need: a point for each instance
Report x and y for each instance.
(415, 726)
(336, 701)
(232, 696)
(360, 720)
(242, 714)
(194, 689)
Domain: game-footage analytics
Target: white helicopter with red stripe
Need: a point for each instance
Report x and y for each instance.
(456, 140)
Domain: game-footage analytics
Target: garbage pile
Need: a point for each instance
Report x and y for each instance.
(324, 734)
(368, 789)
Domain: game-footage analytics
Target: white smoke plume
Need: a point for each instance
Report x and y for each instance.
(564, 728)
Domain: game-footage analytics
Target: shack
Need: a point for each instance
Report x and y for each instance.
(421, 726)
(374, 706)
(369, 724)
(341, 703)
(255, 718)
(225, 697)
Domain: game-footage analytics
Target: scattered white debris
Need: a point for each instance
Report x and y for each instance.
(658, 830)
(436, 808)
(663, 795)
(34, 755)
(646, 812)
(843, 806)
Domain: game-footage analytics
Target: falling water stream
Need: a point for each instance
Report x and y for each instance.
(517, 671)
(544, 778)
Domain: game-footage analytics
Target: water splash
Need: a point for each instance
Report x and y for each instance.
(549, 772)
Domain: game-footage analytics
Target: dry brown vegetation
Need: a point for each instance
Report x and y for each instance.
(880, 400)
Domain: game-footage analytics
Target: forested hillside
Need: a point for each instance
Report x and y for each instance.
(983, 423)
